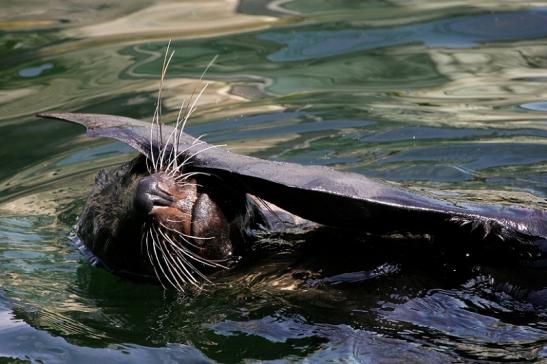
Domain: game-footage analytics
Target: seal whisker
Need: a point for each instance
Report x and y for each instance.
(143, 237)
(189, 110)
(172, 135)
(185, 176)
(175, 136)
(188, 266)
(185, 263)
(210, 263)
(172, 277)
(178, 131)
(172, 267)
(211, 62)
(185, 235)
(198, 140)
(191, 266)
(157, 111)
(172, 168)
(182, 263)
(177, 124)
(269, 208)
(158, 276)
(156, 119)
(193, 106)
(201, 151)
(158, 106)
(179, 247)
(149, 234)
(194, 144)
(184, 268)
(181, 235)
(151, 148)
(192, 255)
(180, 125)
(182, 184)
(158, 243)
(155, 243)
(147, 163)
(175, 272)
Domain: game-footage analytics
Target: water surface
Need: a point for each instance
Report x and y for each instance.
(447, 97)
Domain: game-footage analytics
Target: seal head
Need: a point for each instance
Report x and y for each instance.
(173, 226)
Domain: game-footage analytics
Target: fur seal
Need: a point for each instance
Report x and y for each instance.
(183, 206)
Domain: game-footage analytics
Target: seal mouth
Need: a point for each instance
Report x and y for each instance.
(185, 231)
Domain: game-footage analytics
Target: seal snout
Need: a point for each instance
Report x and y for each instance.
(150, 194)
(166, 201)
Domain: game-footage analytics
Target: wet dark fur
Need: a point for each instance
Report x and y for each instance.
(109, 224)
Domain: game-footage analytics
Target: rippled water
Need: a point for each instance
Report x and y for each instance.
(448, 96)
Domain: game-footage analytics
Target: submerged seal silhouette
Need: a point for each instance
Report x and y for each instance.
(183, 206)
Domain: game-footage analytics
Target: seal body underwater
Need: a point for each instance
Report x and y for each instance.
(183, 207)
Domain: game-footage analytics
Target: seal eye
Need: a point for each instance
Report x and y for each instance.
(149, 195)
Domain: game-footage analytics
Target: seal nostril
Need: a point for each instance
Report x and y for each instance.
(142, 200)
(158, 200)
(149, 194)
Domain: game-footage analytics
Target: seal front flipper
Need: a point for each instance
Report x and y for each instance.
(333, 198)
(136, 133)
(353, 201)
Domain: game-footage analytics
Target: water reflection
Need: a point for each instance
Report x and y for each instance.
(202, 19)
(459, 32)
(445, 97)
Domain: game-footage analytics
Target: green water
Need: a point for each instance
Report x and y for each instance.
(447, 96)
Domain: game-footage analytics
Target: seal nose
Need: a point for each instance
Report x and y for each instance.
(149, 194)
